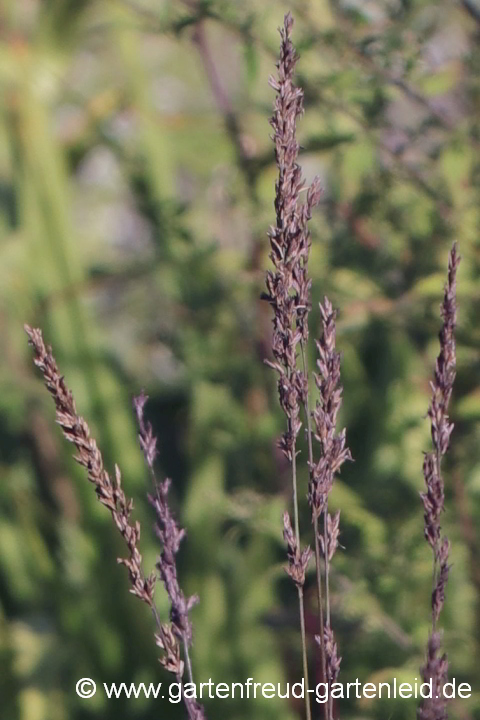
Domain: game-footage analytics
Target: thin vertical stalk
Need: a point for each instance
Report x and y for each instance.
(327, 707)
(435, 669)
(327, 565)
(193, 711)
(304, 653)
(333, 453)
(435, 547)
(318, 562)
(188, 662)
(300, 588)
(288, 293)
(329, 703)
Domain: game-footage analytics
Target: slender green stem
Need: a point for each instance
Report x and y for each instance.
(327, 595)
(318, 562)
(157, 617)
(300, 589)
(327, 563)
(188, 706)
(304, 652)
(187, 658)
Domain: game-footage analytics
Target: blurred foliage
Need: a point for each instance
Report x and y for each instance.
(136, 182)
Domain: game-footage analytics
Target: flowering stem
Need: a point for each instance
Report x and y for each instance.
(192, 711)
(304, 652)
(318, 563)
(299, 587)
(329, 703)
(170, 536)
(111, 495)
(435, 669)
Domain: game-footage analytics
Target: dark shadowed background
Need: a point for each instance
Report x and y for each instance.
(136, 183)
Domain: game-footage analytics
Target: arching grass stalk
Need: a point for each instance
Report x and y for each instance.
(111, 495)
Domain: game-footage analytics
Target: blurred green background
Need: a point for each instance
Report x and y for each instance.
(136, 184)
